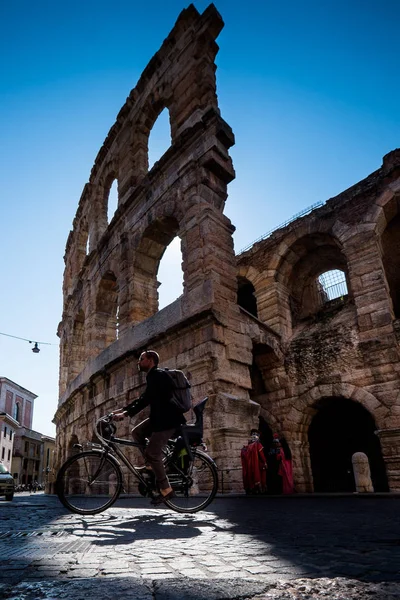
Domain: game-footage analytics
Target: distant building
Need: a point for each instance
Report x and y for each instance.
(27, 454)
(8, 427)
(17, 402)
(48, 473)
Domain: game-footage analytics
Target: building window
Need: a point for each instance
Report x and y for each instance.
(5, 431)
(26, 447)
(3, 451)
(9, 455)
(11, 434)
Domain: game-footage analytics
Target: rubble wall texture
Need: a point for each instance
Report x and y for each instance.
(299, 353)
(342, 349)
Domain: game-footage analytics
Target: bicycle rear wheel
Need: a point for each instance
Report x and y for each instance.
(195, 482)
(89, 482)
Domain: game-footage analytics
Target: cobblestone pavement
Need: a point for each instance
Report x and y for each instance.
(244, 547)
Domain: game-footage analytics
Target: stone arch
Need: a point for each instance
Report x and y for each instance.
(64, 361)
(299, 268)
(159, 140)
(77, 354)
(386, 216)
(297, 420)
(153, 107)
(340, 428)
(81, 243)
(101, 187)
(153, 243)
(305, 406)
(106, 311)
(246, 296)
(76, 255)
(263, 370)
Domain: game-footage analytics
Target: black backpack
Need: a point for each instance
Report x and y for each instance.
(181, 395)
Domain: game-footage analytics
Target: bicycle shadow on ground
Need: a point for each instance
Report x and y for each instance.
(119, 530)
(152, 524)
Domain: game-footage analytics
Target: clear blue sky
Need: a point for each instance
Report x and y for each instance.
(311, 90)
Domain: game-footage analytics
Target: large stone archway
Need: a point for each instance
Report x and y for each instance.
(340, 428)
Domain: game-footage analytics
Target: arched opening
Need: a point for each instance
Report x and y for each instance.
(159, 138)
(246, 297)
(391, 261)
(82, 246)
(64, 348)
(112, 202)
(340, 428)
(306, 268)
(77, 351)
(157, 237)
(107, 311)
(170, 274)
(262, 370)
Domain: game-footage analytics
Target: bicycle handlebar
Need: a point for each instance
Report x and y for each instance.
(105, 428)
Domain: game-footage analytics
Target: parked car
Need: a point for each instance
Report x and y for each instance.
(7, 484)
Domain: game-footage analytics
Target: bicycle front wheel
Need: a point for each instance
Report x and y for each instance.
(89, 482)
(195, 482)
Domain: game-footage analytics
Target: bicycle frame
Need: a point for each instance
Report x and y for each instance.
(111, 446)
(95, 472)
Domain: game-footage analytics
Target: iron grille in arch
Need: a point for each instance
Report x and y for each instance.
(333, 284)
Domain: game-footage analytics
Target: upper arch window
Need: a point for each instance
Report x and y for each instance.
(112, 201)
(77, 355)
(170, 274)
(152, 248)
(391, 261)
(159, 138)
(246, 297)
(107, 310)
(317, 274)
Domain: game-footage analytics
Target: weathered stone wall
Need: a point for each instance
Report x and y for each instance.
(281, 354)
(349, 348)
(110, 282)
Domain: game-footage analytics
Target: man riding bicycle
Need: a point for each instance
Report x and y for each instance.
(165, 418)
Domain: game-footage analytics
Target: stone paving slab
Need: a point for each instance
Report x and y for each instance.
(238, 548)
(233, 589)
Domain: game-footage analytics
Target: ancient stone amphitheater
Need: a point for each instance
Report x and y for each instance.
(296, 335)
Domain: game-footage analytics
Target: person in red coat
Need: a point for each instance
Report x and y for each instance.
(254, 465)
(284, 458)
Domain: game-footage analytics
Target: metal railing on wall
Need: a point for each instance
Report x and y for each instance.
(303, 213)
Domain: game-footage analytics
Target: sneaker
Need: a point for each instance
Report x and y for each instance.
(160, 499)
